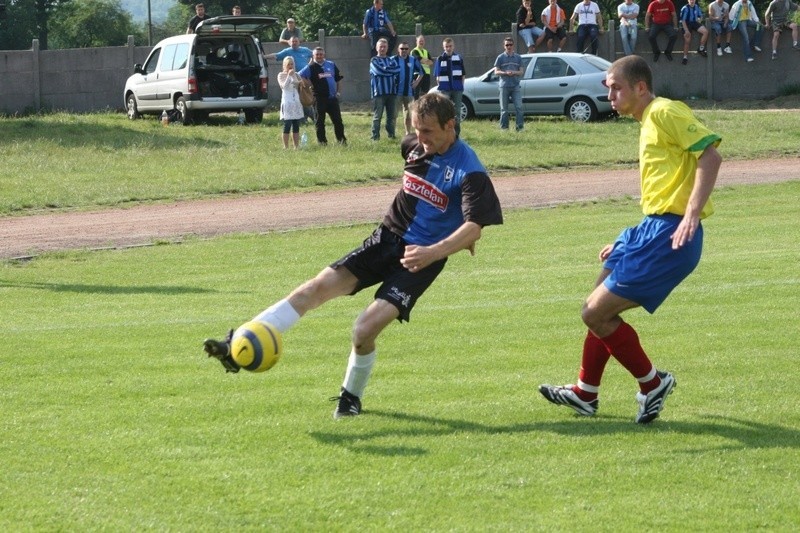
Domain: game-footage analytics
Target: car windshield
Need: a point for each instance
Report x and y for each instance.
(597, 62)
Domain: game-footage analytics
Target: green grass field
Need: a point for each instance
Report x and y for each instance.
(63, 161)
(112, 418)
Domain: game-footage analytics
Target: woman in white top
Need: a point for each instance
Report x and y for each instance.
(291, 108)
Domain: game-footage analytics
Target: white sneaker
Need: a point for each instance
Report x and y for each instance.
(728, 49)
(651, 404)
(757, 48)
(564, 395)
(750, 59)
(719, 51)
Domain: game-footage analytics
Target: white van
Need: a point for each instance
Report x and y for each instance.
(218, 68)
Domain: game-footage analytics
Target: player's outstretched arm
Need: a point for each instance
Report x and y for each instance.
(706, 176)
(464, 238)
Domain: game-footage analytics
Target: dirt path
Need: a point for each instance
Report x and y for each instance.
(25, 236)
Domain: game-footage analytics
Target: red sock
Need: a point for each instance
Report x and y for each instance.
(624, 345)
(593, 363)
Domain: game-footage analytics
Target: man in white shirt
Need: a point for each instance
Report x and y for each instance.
(590, 24)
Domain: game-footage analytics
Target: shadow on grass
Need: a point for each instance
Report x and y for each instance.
(82, 288)
(744, 434)
(78, 133)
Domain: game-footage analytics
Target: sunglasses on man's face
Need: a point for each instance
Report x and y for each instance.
(403, 49)
(509, 44)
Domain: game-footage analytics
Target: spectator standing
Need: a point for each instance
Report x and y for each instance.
(554, 19)
(199, 16)
(679, 164)
(744, 17)
(778, 18)
(661, 16)
(718, 14)
(424, 58)
(508, 67)
(449, 73)
(445, 201)
(527, 28)
(236, 11)
(383, 78)
(691, 18)
(291, 30)
(302, 57)
(628, 14)
(326, 80)
(377, 25)
(410, 78)
(291, 109)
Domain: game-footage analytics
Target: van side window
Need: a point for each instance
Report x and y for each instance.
(168, 57)
(150, 66)
(181, 56)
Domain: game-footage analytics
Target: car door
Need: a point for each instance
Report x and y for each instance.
(172, 73)
(549, 81)
(146, 87)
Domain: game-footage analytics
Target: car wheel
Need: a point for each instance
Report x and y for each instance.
(581, 109)
(253, 116)
(130, 104)
(466, 110)
(186, 115)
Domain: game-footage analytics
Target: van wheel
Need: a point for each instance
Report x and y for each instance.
(130, 105)
(253, 116)
(186, 115)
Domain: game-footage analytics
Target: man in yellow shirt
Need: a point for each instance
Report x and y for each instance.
(679, 163)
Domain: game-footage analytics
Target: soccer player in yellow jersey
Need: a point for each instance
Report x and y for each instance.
(679, 163)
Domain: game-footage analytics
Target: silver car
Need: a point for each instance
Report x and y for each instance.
(554, 84)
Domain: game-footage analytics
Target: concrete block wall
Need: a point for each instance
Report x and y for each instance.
(92, 79)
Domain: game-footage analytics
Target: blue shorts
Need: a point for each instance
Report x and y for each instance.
(644, 267)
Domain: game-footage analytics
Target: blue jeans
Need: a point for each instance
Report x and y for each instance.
(591, 31)
(455, 97)
(387, 101)
(529, 35)
(515, 94)
(628, 34)
(747, 44)
(720, 29)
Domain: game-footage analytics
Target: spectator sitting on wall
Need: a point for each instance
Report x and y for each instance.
(718, 12)
(377, 25)
(691, 18)
(779, 18)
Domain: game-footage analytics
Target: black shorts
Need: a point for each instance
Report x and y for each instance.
(693, 26)
(560, 33)
(377, 260)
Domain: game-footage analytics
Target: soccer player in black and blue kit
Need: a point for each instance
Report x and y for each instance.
(445, 201)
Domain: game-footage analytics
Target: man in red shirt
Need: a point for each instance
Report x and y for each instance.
(661, 16)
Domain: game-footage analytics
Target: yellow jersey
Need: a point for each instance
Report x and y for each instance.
(670, 141)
